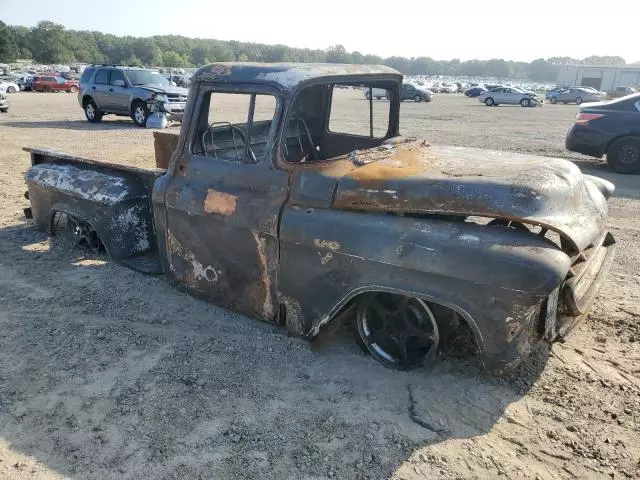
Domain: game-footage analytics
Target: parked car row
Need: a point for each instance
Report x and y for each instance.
(582, 93)
(41, 83)
(410, 91)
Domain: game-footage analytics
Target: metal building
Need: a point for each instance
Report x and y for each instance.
(599, 77)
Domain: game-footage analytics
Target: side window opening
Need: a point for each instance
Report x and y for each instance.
(363, 115)
(236, 126)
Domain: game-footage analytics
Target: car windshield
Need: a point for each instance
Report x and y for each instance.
(146, 77)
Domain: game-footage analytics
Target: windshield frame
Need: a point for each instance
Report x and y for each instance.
(149, 74)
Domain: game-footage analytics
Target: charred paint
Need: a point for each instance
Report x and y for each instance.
(322, 232)
(462, 181)
(220, 202)
(197, 272)
(287, 76)
(76, 181)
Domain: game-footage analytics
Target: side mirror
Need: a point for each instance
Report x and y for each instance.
(119, 83)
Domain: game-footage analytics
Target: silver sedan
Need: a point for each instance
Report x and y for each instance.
(509, 96)
(577, 95)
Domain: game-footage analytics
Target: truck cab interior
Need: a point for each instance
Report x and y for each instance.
(314, 129)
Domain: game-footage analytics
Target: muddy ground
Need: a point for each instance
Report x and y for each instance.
(107, 373)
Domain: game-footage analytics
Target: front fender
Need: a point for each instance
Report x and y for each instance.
(495, 278)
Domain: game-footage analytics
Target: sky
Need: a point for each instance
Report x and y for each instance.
(463, 29)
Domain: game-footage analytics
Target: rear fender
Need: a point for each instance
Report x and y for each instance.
(115, 205)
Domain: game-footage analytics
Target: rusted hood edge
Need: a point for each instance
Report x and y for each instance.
(543, 191)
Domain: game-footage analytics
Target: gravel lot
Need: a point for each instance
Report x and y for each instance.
(107, 373)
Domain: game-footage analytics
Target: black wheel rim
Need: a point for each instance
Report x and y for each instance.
(399, 331)
(629, 154)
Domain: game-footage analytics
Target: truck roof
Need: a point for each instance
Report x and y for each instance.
(289, 75)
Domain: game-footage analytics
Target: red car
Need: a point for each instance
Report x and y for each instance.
(53, 84)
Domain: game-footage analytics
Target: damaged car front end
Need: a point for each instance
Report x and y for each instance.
(165, 108)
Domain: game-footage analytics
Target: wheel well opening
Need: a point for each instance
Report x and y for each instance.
(457, 338)
(81, 230)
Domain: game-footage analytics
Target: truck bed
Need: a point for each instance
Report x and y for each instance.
(112, 200)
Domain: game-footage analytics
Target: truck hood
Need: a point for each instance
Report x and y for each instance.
(167, 89)
(416, 177)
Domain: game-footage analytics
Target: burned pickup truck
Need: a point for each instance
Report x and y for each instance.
(294, 200)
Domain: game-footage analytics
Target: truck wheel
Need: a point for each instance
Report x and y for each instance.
(91, 111)
(139, 113)
(553, 100)
(525, 102)
(624, 155)
(400, 332)
(489, 102)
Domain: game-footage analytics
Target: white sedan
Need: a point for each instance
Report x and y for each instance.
(510, 96)
(9, 87)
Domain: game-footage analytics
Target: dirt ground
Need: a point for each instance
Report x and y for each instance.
(107, 373)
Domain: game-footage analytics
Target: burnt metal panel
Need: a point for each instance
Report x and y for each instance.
(288, 76)
(116, 205)
(497, 279)
(221, 238)
(414, 177)
(144, 175)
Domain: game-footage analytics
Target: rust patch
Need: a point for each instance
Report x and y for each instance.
(164, 144)
(327, 244)
(267, 305)
(219, 202)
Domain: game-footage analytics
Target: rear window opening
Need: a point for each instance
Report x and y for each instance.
(358, 114)
(327, 121)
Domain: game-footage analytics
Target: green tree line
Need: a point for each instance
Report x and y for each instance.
(50, 43)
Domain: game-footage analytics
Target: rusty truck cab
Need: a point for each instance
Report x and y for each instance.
(246, 129)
